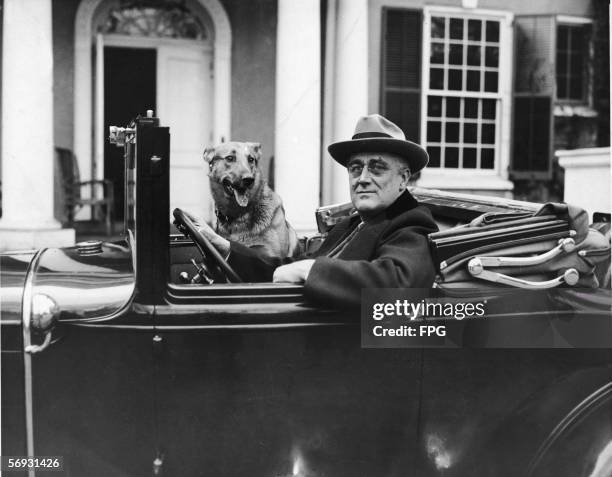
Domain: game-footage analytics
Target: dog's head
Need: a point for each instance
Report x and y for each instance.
(234, 171)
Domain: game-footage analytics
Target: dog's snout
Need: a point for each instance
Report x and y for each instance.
(247, 181)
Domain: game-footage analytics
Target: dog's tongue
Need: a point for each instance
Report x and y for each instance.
(241, 198)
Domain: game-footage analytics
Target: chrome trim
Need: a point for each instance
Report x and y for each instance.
(33, 349)
(210, 327)
(44, 312)
(564, 245)
(477, 268)
(83, 289)
(570, 276)
(26, 308)
(586, 406)
(12, 322)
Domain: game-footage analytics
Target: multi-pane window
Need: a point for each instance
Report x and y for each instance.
(572, 51)
(461, 132)
(462, 92)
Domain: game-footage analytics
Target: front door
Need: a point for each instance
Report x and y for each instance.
(184, 102)
(129, 89)
(174, 79)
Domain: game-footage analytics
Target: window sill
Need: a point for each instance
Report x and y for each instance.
(464, 180)
(569, 110)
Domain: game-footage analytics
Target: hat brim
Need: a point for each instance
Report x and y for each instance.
(414, 154)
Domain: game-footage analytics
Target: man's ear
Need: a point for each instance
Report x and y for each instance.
(209, 154)
(255, 149)
(405, 173)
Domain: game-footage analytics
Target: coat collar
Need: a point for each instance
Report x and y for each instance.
(369, 233)
(402, 204)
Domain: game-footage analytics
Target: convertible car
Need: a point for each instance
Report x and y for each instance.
(149, 356)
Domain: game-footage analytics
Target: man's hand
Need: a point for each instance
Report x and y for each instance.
(221, 244)
(296, 272)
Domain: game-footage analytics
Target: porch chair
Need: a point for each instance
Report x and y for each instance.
(71, 187)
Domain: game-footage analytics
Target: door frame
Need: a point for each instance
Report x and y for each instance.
(126, 41)
(85, 38)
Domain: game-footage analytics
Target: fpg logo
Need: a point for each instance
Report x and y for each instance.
(431, 330)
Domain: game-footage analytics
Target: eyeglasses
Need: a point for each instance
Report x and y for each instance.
(375, 168)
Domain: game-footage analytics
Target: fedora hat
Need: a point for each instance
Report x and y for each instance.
(375, 133)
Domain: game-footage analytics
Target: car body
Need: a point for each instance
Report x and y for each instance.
(109, 361)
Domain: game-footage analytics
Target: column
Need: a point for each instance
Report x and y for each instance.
(298, 94)
(27, 122)
(350, 89)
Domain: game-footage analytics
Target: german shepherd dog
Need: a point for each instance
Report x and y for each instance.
(247, 210)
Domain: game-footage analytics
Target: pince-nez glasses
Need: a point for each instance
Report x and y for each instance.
(375, 168)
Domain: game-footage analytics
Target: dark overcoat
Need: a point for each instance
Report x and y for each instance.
(389, 252)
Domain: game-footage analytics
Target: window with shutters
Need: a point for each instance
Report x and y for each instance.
(463, 90)
(551, 68)
(446, 81)
(572, 54)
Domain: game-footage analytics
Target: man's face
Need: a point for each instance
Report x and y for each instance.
(376, 180)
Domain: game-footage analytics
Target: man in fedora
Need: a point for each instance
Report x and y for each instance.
(383, 245)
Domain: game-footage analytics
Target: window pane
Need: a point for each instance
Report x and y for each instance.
(454, 80)
(562, 34)
(577, 39)
(437, 27)
(575, 88)
(469, 133)
(492, 31)
(488, 109)
(473, 55)
(436, 78)
(576, 65)
(562, 89)
(456, 28)
(437, 53)
(456, 55)
(474, 30)
(451, 157)
(487, 158)
(434, 156)
(453, 106)
(492, 56)
(471, 108)
(488, 134)
(561, 63)
(433, 131)
(473, 80)
(469, 158)
(490, 85)
(434, 106)
(452, 132)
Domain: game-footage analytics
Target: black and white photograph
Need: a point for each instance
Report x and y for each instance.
(305, 238)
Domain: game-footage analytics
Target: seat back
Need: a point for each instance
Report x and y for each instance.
(69, 176)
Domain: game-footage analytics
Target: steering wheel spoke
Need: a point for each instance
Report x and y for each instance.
(211, 255)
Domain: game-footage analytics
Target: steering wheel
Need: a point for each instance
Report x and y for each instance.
(184, 223)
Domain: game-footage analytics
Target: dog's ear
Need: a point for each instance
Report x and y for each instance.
(256, 149)
(209, 154)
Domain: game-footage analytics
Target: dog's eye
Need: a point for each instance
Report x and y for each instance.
(252, 160)
(230, 158)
